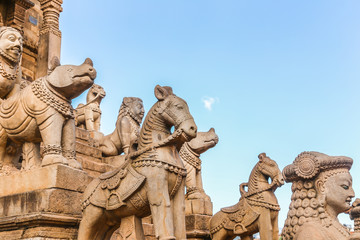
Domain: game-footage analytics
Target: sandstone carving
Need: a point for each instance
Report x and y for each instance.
(43, 112)
(124, 192)
(257, 210)
(126, 130)
(11, 47)
(355, 215)
(88, 116)
(321, 189)
(190, 154)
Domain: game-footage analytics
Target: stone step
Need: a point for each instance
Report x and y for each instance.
(88, 150)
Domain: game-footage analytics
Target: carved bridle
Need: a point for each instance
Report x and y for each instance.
(270, 186)
(178, 120)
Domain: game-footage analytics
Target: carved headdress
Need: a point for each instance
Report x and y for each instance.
(306, 203)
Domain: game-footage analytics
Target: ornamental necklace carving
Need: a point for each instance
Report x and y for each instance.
(7, 75)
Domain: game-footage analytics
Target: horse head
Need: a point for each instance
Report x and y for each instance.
(269, 168)
(175, 112)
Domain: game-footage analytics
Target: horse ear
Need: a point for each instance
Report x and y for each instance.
(169, 90)
(55, 62)
(261, 156)
(161, 92)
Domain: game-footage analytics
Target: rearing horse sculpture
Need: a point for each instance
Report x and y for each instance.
(151, 181)
(257, 210)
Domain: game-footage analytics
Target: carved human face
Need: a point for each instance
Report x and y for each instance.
(138, 109)
(11, 45)
(338, 193)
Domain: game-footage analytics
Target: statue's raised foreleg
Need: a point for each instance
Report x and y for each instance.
(158, 196)
(68, 143)
(178, 209)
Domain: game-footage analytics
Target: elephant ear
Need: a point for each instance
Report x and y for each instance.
(162, 92)
(54, 63)
(59, 77)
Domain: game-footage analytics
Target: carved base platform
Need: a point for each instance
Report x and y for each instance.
(42, 203)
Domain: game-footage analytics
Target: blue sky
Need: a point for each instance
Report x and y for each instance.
(282, 76)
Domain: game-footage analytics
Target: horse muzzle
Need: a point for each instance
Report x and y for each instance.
(189, 129)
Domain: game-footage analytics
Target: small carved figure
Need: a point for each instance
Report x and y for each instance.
(124, 192)
(88, 116)
(322, 189)
(43, 112)
(190, 154)
(257, 210)
(11, 47)
(126, 130)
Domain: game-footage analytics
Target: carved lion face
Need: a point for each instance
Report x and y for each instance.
(137, 108)
(11, 44)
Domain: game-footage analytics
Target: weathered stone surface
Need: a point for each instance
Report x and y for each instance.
(54, 176)
(120, 194)
(126, 130)
(324, 182)
(197, 226)
(257, 209)
(190, 155)
(88, 116)
(198, 206)
(88, 150)
(42, 112)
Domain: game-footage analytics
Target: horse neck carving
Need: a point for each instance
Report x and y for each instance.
(153, 123)
(258, 185)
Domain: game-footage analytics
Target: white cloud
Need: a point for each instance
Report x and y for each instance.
(208, 102)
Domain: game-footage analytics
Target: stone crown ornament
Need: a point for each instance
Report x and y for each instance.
(308, 165)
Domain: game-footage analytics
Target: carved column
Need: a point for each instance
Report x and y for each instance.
(50, 35)
(16, 13)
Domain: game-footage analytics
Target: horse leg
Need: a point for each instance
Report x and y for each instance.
(110, 231)
(221, 235)
(159, 199)
(249, 237)
(178, 209)
(91, 223)
(275, 227)
(265, 227)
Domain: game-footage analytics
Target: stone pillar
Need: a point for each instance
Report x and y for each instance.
(15, 14)
(50, 35)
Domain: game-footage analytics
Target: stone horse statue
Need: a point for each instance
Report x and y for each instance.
(257, 210)
(151, 181)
